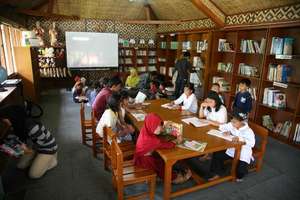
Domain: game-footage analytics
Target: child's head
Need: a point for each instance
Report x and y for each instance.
(96, 85)
(215, 87)
(162, 86)
(103, 82)
(213, 100)
(115, 84)
(133, 72)
(83, 80)
(187, 54)
(244, 84)
(113, 102)
(124, 98)
(188, 89)
(153, 124)
(238, 118)
(77, 78)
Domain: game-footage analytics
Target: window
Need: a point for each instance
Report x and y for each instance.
(9, 38)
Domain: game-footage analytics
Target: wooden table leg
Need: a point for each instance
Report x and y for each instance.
(235, 161)
(168, 180)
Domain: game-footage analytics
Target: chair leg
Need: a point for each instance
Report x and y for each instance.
(258, 165)
(106, 162)
(83, 136)
(120, 192)
(94, 148)
(152, 183)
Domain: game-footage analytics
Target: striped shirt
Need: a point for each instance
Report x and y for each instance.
(42, 139)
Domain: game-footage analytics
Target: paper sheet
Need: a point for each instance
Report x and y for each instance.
(140, 97)
(196, 121)
(168, 106)
(220, 134)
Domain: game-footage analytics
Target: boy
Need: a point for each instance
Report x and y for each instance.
(216, 87)
(243, 99)
(241, 132)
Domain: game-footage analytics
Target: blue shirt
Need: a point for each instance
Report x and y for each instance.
(243, 101)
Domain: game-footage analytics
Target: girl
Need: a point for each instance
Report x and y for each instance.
(188, 99)
(110, 118)
(238, 128)
(133, 79)
(148, 142)
(213, 110)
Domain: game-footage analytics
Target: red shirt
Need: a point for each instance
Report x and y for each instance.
(100, 102)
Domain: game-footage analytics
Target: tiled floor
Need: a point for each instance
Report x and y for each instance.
(81, 177)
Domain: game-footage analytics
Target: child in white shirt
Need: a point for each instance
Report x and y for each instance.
(238, 128)
(213, 110)
(188, 99)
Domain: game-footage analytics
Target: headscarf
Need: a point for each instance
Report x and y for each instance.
(133, 79)
(147, 140)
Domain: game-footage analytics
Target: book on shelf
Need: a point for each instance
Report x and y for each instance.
(279, 73)
(252, 46)
(171, 69)
(139, 61)
(296, 137)
(186, 45)
(162, 60)
(125, 43)
(247, 70)
(173, 45)
(162, 70)
(274, 98)
(201, 46)
(251, 90)
(225, 46)
(282, 46)
(281, 128)
(286, 129)
(151, 61)
(224, 67)
(163, 45)
(197, 62)
(224, 85)
(152, 53)
(128, 61)
(268, 122)
(152, 68)
(141, 69)
(141, 53)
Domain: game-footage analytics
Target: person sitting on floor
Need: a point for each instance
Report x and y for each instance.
(111, 118)
(133, 79)
(146, 145)
(188, 99)
(241, 132)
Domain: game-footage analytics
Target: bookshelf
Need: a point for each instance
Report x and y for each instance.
(172, 45)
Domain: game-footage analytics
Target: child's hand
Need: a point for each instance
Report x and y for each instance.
(179, 139)
(204, 104)
(226, 133)
(26, 149)
(235, 139)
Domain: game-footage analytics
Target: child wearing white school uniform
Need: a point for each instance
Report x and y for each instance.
(238, 127)
(188, 99)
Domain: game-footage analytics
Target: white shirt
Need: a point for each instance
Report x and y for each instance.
(220, 116)
(246, 135)
(108, 119)
(189, 103)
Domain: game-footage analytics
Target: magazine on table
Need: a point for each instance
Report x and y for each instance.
(193, 145)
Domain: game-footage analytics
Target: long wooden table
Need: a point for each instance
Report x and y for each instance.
(171, 156)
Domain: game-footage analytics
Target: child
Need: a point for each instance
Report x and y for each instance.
(188, 99)
(212, 109)
(133, 79)
(78, 94)
(146, 145)
(110, 118)
(161, 93)
(216, 87)
(243, 99)
(153, 90)
(238, 128)
(96, 89)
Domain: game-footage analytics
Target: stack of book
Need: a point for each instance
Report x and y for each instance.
(279, 73)
(186, 45)
(252, 91)
(197, 62)
(225, 46)
(162, 60)
(152, 61)
(224, 85)
(282, 46)
(202, 46)
(247, 70)
(174, 45)
(152, 53)
(252, 46)
(297, 134)
(163, 45)
(274, 98)
(224, 67)
(280, 128)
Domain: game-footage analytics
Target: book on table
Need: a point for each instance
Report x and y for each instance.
(220, 134)
(192, 145)
(196, 121)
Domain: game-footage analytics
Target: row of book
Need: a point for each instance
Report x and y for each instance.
(57, 72)
(224, 85)
(297, 134)
(225, 46)
(138, 61)
(162, 60)
(141, 53)
(224, 67)
(279, 73)
(142, 69)
(280, 128)
(252, 46)
(186, 45)
(252, 91)
(126, 52)
(281, 46)
(248, 70)
(274, 98)
(126, 61)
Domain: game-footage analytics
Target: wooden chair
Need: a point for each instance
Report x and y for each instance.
(260, 149)
(124, 176)
(97, 141)
(127, 148)
(86, 126)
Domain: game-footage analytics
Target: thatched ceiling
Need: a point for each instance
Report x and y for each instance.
(134, 9)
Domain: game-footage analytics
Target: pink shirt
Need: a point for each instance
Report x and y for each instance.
(100, 102)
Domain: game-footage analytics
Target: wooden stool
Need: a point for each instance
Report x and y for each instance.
(97, 141)
(124, 176)
(86, 127)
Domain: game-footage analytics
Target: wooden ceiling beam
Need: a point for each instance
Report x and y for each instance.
(153, 22)
(45, 14)
(150, 14)
(211, 11)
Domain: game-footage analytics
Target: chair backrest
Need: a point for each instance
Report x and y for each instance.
(82, 114)
(108, 135)
(94, 123)
(262, 133)
(117, 161)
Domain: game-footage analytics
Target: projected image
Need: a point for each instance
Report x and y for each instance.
(91, 49)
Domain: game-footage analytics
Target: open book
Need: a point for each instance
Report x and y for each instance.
(169, 106)
(220, 134)
(196, 121)
(193, 145)
(139, 115)
(140, 98)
